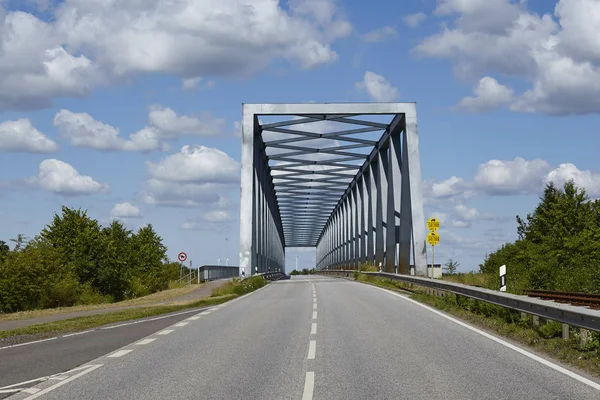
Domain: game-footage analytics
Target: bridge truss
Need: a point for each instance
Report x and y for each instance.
(332, 176)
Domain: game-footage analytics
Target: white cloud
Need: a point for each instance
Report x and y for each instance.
(559, 55)
(60, 177)
(217, 220)
(380, 34)
(89, 43)
(512, 177)
(378, 88)
(172, 125)
(125, 210)
(21, 135)
(414, 20)
(198, 164)
(489, 95)
(187, 195)
(83, 130)
(190, 83)
(517, 176)
(589, 180)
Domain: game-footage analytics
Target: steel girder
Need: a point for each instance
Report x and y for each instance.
(353, 191)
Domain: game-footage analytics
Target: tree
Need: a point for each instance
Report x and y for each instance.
(451, 266)
(21, 241)
(4, 248)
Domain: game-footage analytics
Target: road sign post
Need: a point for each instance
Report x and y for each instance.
(181, 257)
(433, 238)
(503, 278)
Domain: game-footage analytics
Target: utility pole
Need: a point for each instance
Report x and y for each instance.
(296, 263)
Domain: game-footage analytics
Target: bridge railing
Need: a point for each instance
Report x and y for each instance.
(271, 276)
(565, 313)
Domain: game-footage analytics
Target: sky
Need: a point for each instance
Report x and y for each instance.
(131, 110)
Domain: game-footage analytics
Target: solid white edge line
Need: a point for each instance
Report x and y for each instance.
(31, 390)
(120, 353)
(165, 332)
(313, 328)
(180, 324)
(7, 391)
(502, 342)
(61, 383)
(312, 350)
(77, 333)
(23, 383)
(25, 344)
(309, 386)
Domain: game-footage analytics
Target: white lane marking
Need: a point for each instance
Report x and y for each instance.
(31, 390)
(503, 343)
(314, 306)
(314, 315)
(312, 349)
(146, 341)
(151, 319)
(165, 332)
(120, 353)
(6, 391)
(25, 344)
(309, 386)
(314, 301)
(23, 383)
(205, 312)
(313, 328)
(194, 318)
(59, 384)
(180, 324)
(59, 378)
(78, 333)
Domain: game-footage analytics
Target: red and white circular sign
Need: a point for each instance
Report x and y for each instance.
(182, 256)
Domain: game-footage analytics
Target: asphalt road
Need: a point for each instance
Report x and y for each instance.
(317, 338)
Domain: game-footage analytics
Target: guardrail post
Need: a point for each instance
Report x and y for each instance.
(584, 337)
(565, 331)
(535, 320)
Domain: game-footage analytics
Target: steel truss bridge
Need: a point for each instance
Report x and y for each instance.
(342, 177)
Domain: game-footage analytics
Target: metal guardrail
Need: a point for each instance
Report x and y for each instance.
(567, 314)
(271, 276)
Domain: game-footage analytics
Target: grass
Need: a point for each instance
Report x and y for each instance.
(545, 339)
(240, 286)
(173, 292)
(82, 323)
(469, 278)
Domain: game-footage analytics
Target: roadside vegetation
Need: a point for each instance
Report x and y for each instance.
(76, 261)
(240, 287)
(304, 271)
(558, 248)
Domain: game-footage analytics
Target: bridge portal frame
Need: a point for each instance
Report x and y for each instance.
(386, 191)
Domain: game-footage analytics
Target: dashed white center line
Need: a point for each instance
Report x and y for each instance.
(314, 315)
(205, 312)
(31, 390)
(180, 324)
(194, 318)
(312, 348)
(313, 328)
(314, 306)
(120, 353)
(309, 386)
(165, 332)
(146, 341)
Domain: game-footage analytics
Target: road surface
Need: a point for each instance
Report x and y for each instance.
(317, 338)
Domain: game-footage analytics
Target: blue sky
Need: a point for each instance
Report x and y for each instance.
(507, 97)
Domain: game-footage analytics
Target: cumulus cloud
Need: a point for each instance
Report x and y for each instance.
(217, 220)
(125, 210)
(83, 130)
(61, 178)
(414, 20)
(378, 88)
(196, 163)
(91, 43)
(380, 34)
(171, 125)
(22, 136)
(511, 177)
(190, 83)
(196, 176)
(557, 54)
(589, 180)
(489, 95)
